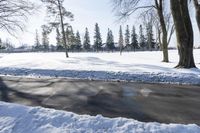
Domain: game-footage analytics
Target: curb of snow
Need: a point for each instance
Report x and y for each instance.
(23, 119)
(171, 78)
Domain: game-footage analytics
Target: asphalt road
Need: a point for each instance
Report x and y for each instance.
(143, 102)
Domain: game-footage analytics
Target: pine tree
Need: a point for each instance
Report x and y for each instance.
(1, 44)
(86, 41)
(134, 41)
(127, 37)
(59, 40)
(150, 39)
(45, 39)
(110, 41)
(37, 41)
(71, 41)
(78, 41)
(142, 41)
(121, 40)
(97, 38)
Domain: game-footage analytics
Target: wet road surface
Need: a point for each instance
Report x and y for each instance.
(144, 102)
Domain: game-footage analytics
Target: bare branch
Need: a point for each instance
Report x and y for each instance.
(13, 14)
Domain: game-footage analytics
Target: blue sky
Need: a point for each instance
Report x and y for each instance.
(87, 13)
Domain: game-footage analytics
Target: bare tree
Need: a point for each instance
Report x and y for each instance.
(127, 7)
(13, 14)
(58, 13)
(184, 33)
(169, 26)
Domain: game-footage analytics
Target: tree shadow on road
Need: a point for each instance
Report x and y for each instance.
(4, 91)
(12, 95)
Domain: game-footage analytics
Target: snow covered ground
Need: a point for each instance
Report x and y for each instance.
(21, 119)
(139, 66)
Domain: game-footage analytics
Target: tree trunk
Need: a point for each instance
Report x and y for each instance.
(165, 48)
(184, 33)
(63, 29)
(159, 39)
(159, 8)
(121, 49)
(197, 8)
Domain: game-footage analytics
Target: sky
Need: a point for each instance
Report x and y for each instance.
(86, 14)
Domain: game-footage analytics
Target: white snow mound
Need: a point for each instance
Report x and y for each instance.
(22, 119)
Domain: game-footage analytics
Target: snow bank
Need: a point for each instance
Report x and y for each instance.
(21, 119)
(138, 66)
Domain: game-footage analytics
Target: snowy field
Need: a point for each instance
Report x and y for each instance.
(21, 119)
(139, 66)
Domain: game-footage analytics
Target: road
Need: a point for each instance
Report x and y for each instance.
(144, 102)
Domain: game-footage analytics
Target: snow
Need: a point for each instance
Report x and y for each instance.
(22, 119)
(138, 66)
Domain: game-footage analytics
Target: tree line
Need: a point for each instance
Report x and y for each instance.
(129, 41)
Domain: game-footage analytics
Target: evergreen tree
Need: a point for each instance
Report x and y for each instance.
(71, 39)
(78, 41)
(150, 39)
(1, 44)
(97, 39)
(142, 41)
(110, 41)
(134, 41)
(121, 40)
(127, 37)
(59, 40)
(86, 41)
(37, 41)
(45, 39)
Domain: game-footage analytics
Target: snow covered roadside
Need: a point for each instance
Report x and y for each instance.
(147, 77)
(22, 119)
(138, 66)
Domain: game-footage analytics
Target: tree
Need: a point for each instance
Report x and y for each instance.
(150, 37)
(8, 46)
(97, 38)
(70, 38)
(13, 13)
(37, 41)
(197, 8)
(127, 7)
(169, 26)
(148, 18)
(127, 37)
(142, 40)
(78, 41)
(184, 33)
(86, 41)
(134, 41)
(59, 40)
(121, 40)
(45, 39)
(1, 44)
(57, 11)
(160, 11)
(110, 45)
